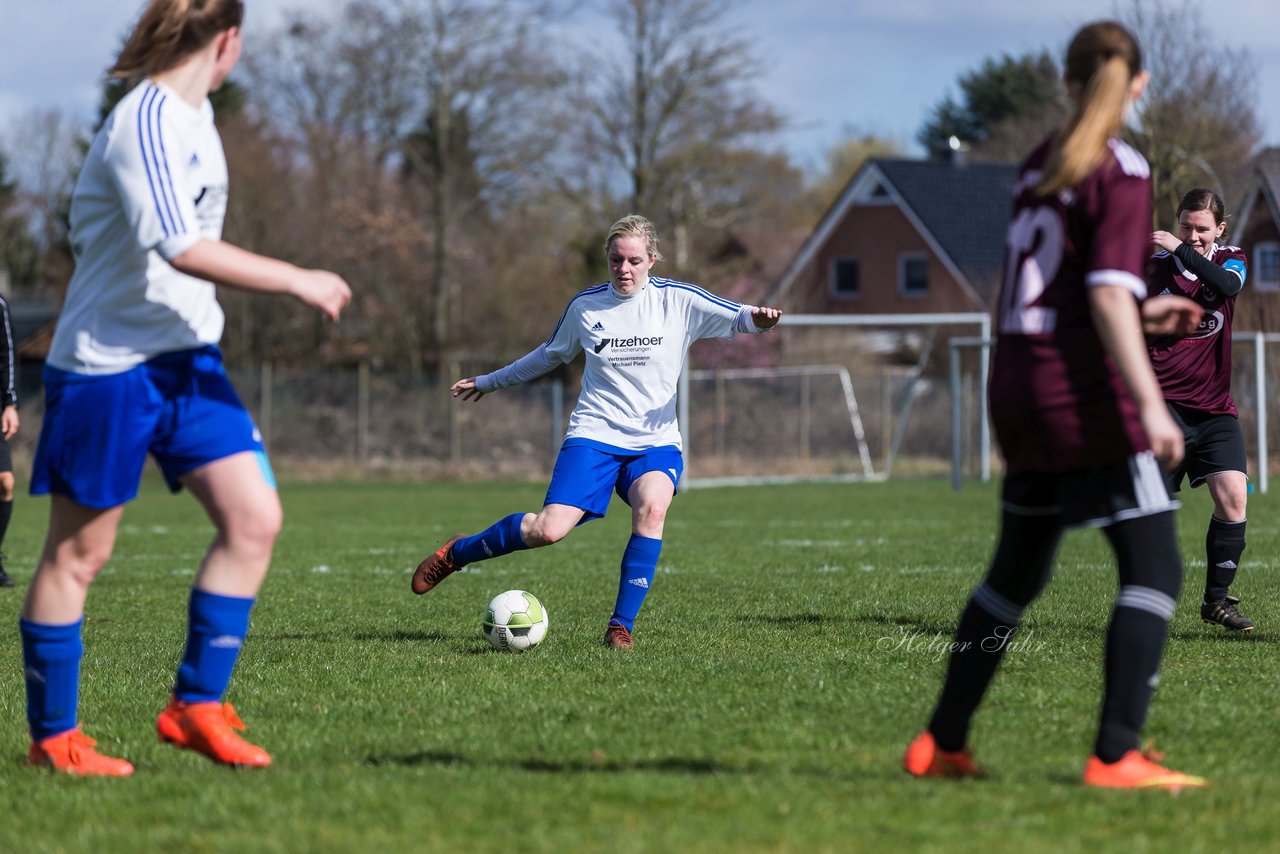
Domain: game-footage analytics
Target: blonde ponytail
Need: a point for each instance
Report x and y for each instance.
(1102, 61)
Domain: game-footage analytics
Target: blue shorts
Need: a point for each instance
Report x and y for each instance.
(179, 407)
(587, 472)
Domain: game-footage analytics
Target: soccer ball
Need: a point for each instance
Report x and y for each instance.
(514, 621)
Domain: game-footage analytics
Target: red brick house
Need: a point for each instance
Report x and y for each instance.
(1255, 228)
(905, 236)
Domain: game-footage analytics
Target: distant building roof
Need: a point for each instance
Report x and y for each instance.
(961, 209)
(1261, 186)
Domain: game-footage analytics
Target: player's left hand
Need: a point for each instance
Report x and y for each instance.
(9, 422)
(766, 318)
(1170, 316)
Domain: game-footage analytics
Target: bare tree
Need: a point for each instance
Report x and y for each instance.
(46, 149)
(1198, 121)
(657, 124)
(434, 115)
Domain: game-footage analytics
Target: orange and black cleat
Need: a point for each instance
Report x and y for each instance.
(924, 759)
(208, 728)
(1138, 769)
(617, 636)
(436, 567)
(72, 752)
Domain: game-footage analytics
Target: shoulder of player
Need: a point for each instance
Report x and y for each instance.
(586, 296)
(142, 124)
(1226, 252)
(687, 291)
(1128, 159)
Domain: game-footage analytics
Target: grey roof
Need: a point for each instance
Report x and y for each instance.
(1262, 175)
(1268, 164)
(964, 207)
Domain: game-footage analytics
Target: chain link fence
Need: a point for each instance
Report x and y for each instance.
(861, 419)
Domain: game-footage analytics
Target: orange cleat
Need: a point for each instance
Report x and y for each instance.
(435, 567)
(617, 637)
(207, 728)
(924, 759)
(1138, 769)
(72, 752)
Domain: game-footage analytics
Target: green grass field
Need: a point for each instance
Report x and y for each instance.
(789, 650)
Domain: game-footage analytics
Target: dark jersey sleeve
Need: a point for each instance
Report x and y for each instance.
(1222, 280)
(1122, 226)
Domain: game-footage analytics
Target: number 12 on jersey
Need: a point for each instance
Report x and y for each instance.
(1034, 246)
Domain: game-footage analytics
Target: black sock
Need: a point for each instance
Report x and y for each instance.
(975, 657)
(1135, 643)
(6, 513)
(1224, 544)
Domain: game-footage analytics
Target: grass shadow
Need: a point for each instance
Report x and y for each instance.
(602, 765)
(329, 636)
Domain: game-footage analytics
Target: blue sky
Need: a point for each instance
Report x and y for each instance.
(832, 67)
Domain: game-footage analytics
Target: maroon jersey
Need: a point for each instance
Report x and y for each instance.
(1057, 401)
(1196, 371)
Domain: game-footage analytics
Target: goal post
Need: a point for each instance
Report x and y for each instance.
(1251, 399)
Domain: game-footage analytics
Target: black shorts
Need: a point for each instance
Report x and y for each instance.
(6, 456)
(1215, 443)
(1093, 498)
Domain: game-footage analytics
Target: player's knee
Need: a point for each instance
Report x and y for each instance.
(545, 532)
(81, 565)
(6, 486)
(649, 519)
(255, 528)
(1231, 505)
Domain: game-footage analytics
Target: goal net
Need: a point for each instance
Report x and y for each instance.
(853, 397)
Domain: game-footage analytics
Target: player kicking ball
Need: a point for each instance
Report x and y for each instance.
(635, 332)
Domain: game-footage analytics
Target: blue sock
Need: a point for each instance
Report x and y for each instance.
(215, 632)
(500, 538)
(639, 563)
(52, 656)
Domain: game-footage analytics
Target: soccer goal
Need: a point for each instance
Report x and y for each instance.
(855, 397)
(1252, 368)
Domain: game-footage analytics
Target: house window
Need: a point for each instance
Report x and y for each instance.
(844, 277)
(913, 275)
(1266, 266)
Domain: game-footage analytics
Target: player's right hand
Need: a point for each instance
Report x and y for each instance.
(1167, 443)
(466, 389)
(1172, 316)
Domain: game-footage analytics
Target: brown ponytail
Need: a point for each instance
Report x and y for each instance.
(169, 31)
(1102, 61)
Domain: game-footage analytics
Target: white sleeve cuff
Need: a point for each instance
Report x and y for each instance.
(172, 247)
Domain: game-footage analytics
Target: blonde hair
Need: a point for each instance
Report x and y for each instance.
(634, 225)
(1102, 61)
(168, 31)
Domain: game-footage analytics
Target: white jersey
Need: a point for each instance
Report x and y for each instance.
(153, 184)
(635, 350)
